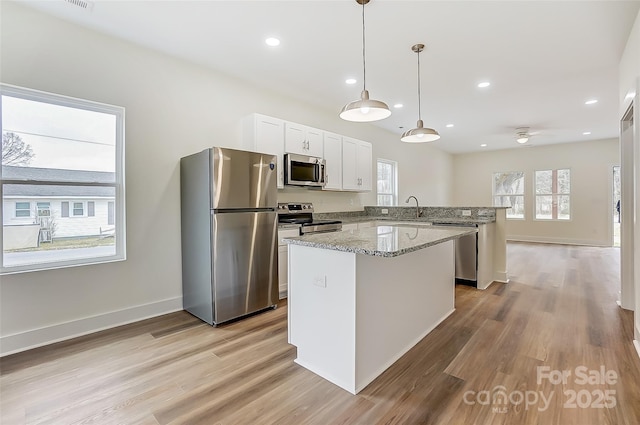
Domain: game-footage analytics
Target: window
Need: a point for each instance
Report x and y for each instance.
(78, 209)
(387, 182)
(508, 191)
(64, 209)
(59, 152)
(44, 209)
(553, 194)
(23, 209)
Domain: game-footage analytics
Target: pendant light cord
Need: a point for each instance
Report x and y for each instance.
(364, 63)
(419, 98)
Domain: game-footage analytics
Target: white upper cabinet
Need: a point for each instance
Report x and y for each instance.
(348, 161)
(266, 135)
(333, 157)
(356, 164)
(303, 140)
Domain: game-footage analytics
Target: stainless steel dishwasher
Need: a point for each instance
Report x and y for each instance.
(466, 256)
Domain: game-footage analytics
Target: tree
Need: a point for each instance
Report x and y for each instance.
(15, 151)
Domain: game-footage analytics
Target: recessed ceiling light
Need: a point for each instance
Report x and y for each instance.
(398, 105)
(484, 145)
(272, 41)
(484, 84)
(351, 81)
(449, 125)
(586, 133)
(591, 102)
(630, 95)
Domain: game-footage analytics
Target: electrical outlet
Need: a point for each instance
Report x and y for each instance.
(466, 213)
(320, 281)
(385, 211)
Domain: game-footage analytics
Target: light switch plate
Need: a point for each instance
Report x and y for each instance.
(320, 281)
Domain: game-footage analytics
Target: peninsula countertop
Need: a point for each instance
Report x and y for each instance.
(382, 240)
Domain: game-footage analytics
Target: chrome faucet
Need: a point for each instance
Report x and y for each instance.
(417, 205)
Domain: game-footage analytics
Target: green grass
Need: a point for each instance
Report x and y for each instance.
(70, 243)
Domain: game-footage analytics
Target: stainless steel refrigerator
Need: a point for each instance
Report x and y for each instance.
(229, 233)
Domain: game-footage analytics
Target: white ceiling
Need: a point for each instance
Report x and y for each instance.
(544, 59)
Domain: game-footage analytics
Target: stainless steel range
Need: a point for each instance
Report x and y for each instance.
(302, 214)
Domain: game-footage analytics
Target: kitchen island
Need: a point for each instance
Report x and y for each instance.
(359, 300)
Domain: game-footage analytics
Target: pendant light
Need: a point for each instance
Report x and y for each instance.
(419, 134)
(364, 109)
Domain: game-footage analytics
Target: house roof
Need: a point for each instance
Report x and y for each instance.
(56, 175)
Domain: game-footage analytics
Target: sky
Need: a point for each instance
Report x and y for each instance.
(61, 136)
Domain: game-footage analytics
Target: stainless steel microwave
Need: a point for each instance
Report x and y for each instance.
(302, 170)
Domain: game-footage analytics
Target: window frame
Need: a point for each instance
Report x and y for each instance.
(16, 209)
(118, 184)
(394, 183)
(523, 195)
(554, 196)
(75, 207)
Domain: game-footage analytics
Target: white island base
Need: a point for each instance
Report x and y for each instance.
(351, 316)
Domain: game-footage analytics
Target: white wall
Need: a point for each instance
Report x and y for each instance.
(630, 82)
(173, 109)
(591, 165)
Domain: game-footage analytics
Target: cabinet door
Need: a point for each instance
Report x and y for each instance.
(266, 135)
(365, 158)
(333, 155)
(349, 161)
(314, 138)
(283, 261)
(295, 138)
(283, 271)
(303, 140)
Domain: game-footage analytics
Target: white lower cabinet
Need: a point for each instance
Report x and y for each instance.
(283, 261)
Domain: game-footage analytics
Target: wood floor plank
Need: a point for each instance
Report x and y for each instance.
(557, 313)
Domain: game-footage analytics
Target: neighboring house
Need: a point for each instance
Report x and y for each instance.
(74, 211)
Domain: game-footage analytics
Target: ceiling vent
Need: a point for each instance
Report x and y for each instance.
(86, 5)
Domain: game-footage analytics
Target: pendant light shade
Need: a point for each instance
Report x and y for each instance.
(364, 109)
(420, 134)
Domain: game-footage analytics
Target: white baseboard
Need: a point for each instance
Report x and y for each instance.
(15, 343)
(501, 277)
(562, 241)
(636, 344)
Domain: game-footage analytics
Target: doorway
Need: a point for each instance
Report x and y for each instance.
(627, 205)
(616, 206)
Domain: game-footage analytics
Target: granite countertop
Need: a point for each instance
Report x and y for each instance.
(382, 241)
(463, 220)
(422, 220)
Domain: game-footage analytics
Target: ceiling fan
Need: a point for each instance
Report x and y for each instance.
(523, 134)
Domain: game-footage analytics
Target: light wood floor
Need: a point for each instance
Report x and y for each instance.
(558, 311)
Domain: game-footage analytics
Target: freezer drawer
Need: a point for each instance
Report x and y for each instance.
(241, 179)
(245, 263)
